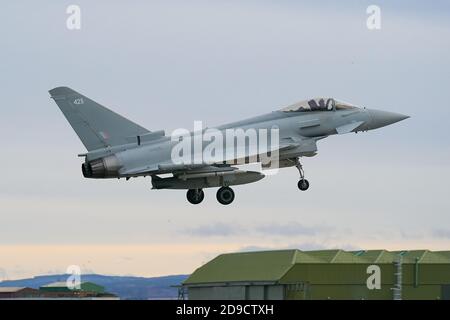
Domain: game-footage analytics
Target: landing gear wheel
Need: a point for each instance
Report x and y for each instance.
(303, 184)
(225, 195)
(195, 196)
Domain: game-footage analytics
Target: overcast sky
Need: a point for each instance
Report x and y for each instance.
(165, 64)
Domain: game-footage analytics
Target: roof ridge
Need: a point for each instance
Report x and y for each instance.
(256, 251)
(423, 255)
(382, 251)
(335, 256)
(294, 257)
(293, 263)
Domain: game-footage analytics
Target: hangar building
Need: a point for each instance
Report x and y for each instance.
(324, 274)
(60, 290)
(18, 293)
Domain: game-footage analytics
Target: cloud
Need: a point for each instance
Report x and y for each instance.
(292, 229)
(289, 229)
(126, 258)
(256, 248)
(217, 229)
(300, 246)
(307, 246)
(3, 275)
(411, 235)
(441, 233)
(303, 246)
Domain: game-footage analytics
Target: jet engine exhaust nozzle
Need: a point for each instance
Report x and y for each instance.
(107, 167)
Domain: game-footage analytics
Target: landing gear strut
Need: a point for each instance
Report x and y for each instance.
(303, 184)
(225, 195)
(195, 196)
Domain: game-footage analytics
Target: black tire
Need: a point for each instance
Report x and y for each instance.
(303, 184)
(225, 195)
(195, 196)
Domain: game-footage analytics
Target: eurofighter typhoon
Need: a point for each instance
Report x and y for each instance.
(210, 158)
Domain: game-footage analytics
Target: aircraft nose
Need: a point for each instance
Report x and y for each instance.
(381, 118)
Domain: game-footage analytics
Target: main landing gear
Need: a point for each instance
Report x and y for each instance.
(225, 195)
(303, 184)
(195, 196)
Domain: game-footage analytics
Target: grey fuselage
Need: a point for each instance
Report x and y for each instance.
(302, 129)
(120, 148)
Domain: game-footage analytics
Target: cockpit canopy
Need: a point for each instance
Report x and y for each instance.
(318, 104)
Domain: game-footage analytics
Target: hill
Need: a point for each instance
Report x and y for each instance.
(123, 286)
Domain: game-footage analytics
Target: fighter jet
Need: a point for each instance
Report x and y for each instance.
(120, 148)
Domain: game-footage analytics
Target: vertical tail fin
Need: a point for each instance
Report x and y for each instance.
(96, 126)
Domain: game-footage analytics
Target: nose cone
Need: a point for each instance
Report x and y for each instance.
(379, 118)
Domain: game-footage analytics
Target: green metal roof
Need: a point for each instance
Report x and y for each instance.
(62, 286)
(423, 256)
(244, 266)
(270, 266)
(444, 253)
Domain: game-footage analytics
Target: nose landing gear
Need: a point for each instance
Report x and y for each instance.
(303, 184)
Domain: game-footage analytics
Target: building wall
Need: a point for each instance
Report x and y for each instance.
(23, 293)
(360, 292)
(217, 293)
(445, 292)
(237, 292)
(356, 274)
(316, 292)
(275, 292)
(255, 293)
(348, 281)
(340, 281)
